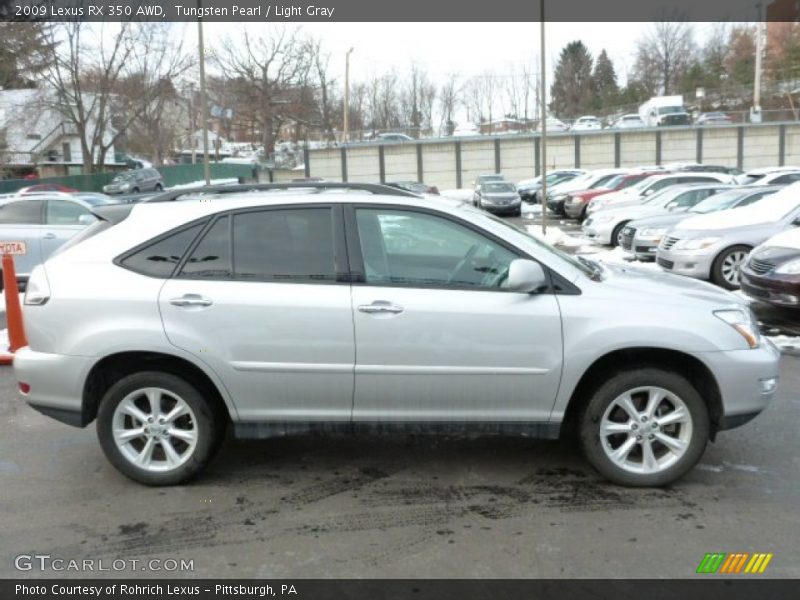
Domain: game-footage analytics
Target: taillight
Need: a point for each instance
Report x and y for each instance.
(24, 387)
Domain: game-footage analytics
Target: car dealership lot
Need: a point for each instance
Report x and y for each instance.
(400, 506)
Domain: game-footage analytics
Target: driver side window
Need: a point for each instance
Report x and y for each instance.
(416, 249)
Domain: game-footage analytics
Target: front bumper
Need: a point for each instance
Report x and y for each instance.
(770, 289)
(574, 210)
(692, 263)
(741, 375)
(513, 207)
(56, 383)
(599, 232)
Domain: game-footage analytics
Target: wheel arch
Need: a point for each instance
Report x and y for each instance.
(686, 365)
(110, 369)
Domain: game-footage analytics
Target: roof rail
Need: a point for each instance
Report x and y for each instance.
(375, 188)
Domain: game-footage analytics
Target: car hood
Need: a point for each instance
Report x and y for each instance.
(632, 211)
(666, 287)
(501, 195)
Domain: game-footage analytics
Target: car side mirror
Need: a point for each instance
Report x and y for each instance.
(525, 276)
(86, 219)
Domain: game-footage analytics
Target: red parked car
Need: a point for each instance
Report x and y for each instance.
(575, 206)
(47, 187)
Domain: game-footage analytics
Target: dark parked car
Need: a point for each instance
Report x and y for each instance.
(498, 197)
(416, 187)
(135, 181)
(772, 271)
(527, 188)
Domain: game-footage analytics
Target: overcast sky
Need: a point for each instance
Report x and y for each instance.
(465, 48)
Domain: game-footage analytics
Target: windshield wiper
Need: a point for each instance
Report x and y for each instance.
(597, 270)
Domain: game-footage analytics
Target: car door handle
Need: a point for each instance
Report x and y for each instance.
(49, 236)
(191, 300)
(380, 306)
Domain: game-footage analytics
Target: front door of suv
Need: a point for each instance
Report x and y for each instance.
(263, 299)
(437, 336)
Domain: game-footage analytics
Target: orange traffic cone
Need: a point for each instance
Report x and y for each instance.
(14, 325)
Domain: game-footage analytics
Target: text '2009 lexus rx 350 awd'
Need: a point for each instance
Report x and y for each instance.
(279, 311)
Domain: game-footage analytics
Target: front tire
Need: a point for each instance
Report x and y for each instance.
(157, 428)
(644, 427)
(616, 235)
(727, 267)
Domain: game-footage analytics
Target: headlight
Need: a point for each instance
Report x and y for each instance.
(790, 268)
(743, 322)
(696, 244)
(652, 233)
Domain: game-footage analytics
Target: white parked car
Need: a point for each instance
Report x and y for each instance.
(278, 313)
(631, 121)
(553, 125)
(587, 123)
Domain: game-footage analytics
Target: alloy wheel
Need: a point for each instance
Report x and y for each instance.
(646, 430)
(731, 266)
(155, 429)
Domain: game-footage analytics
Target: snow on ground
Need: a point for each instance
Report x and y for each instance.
(3, 302)
(786, 342)
(202, 182)
(457, 194)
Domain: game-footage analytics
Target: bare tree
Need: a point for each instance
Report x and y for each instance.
(663, 55)
(449, 93)
(102, 82)
(270, 67)
(417, 100)
(327, 86)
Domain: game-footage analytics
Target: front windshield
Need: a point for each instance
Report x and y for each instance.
(601, 183)
(498, 188)
(717, 202)
(660, 197)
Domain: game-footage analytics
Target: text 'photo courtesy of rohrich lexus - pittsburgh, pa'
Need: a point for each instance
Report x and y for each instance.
(272, 310)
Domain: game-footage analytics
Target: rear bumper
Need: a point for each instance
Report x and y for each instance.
(56, 383)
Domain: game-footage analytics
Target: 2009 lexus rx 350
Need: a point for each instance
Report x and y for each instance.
(288, 311)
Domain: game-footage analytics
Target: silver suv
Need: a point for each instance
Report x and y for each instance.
(282, 311)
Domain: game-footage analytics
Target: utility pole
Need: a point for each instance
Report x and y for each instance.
(192, 124)
(203, 100)
(543, 121)
(346, 128)
(755, 113)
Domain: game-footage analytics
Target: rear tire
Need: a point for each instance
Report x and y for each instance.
(157, 428)
(630, 449)
(727, 266)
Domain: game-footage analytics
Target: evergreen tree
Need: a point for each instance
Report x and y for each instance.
(571, 92)
(604, 82)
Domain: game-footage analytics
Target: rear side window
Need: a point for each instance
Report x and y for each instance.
(284, 245)
(211, 259)
(24, 211)
(159, 258)
(791, 178)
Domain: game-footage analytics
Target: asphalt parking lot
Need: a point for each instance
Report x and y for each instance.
(400, 506)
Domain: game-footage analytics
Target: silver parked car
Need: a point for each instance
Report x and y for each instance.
(135, 181)
(499, 197)
(642, 236)
(715, 246)
(281, 313)
(42, 222)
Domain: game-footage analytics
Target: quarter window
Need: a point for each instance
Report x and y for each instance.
(418, 249)
(160, 258)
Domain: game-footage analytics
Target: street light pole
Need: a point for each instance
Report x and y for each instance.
(346, 128)
(543, 121)
(203, 102)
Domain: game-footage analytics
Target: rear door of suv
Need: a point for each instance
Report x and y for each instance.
(263, 298)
